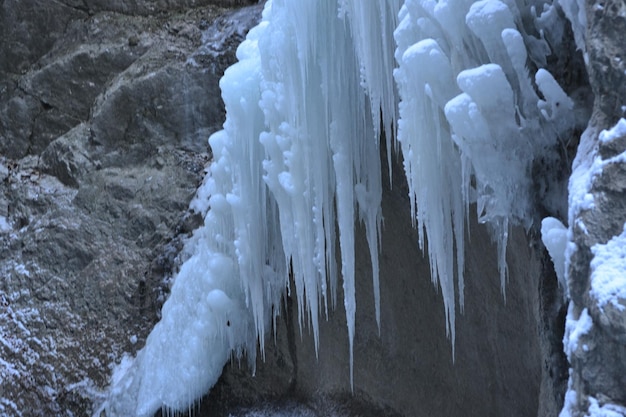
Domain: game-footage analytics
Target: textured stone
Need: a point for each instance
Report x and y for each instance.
(598, 365)
(29, 28)
(104, 120)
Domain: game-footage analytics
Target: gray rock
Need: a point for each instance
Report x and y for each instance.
(148, 7)
(598, 369)
(29, 29)
(66, 157)
(103, 141)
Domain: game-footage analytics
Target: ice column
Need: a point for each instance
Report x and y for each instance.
(472, 121)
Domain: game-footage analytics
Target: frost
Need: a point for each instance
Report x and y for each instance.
(6, 405)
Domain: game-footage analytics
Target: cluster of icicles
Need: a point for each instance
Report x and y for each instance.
(317, 84)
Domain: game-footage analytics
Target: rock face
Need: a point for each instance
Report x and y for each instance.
(598, 356)
(105, 109)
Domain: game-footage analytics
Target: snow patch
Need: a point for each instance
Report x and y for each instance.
(575, 328)
(588, 165)
(617, 131)
(21, 269)
(608, 273)
(596, 409)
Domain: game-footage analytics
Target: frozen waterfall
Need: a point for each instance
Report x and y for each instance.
(317, 85)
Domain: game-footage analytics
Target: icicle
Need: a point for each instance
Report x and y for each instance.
(491, 132)
(321, 142)
(372, 25)
(299, 158)
(426, 83)
(554, 237)
(487, 19)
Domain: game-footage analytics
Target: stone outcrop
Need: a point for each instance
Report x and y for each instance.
(105, 108)
(598, 359)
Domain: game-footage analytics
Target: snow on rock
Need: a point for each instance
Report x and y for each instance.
(588, 165)
(595, 408)
(617, 131)
(597, 292)
(608, 273)
(575, 328)
(599, 409)
(5, 226)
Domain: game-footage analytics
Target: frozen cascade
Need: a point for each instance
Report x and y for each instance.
(300, 154)
(469, 112)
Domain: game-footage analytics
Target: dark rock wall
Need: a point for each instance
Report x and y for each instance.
(104, 118)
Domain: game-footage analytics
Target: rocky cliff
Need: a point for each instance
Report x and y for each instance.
(105, 108)
(597, 332)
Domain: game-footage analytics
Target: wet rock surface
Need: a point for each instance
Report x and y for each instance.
(104, 118)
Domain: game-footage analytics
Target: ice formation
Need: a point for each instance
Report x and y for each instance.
(554, 237)
(469, 111)
(312, 94)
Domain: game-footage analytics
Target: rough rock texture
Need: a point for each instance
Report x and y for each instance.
(598, 363)
(103, 125)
